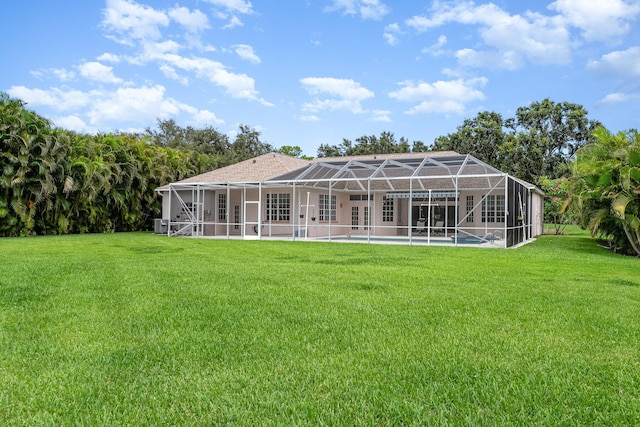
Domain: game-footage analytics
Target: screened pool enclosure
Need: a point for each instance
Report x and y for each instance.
(425, 198)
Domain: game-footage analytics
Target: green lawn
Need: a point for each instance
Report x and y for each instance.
(138, 329)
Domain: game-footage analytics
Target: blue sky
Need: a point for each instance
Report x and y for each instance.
(309, 72)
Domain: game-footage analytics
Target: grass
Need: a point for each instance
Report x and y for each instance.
(138, 329)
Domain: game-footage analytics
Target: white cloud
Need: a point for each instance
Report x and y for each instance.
(63, 75)
(512, 38)
(508, 60)
(623, 66)
(135, 104)
(193, 22)
(237, 6)
(154, 50)
(436, 48)
(619, 98)
(132, 20)
(98, 72)
(350, 105)
(234, 22)
(381, 116)
(344, 88)
(74, 123)
(343, 94)
(229, 9)
(57, 99)
(309, 118)
(139, 26)
(441, 96)
(391, 33)
(246, 52)
(598, 20)
(105, 110)
(367, 9)
(109, 57)
(171, 73)
(236, 85)
(206, 117)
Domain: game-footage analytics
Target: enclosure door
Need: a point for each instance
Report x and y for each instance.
(252, 223)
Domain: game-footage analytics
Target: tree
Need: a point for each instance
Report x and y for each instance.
(207, 140)
(550, 134)
(168, 134)
(541, 140)
(556, 192)
(54, 181)
(31, 163)
(293, 151)
(247, 144)
(605, 189)
(483, 137)
(368, 144)
(419, 147)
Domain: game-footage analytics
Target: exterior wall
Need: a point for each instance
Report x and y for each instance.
(166, 205)
(537, 207)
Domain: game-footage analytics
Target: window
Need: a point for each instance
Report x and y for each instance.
(236, 217)
(500, 210)
(327, 209)
(278, 207)
(364, 197)
(493, 208)
(366, 217)
(222, 206)
(354, 217)
(387, 210)
(469, 208)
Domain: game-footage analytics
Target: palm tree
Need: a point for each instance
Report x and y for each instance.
(606, 188)
(32, 164)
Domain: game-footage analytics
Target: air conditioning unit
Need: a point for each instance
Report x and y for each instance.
(160, 226)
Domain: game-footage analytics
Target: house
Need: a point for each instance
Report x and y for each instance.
(412, 198)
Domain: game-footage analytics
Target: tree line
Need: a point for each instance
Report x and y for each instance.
(54, 181)
(540, 140)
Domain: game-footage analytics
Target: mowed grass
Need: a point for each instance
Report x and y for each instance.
(139, 329)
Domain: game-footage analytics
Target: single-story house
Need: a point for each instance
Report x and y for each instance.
(413, 198)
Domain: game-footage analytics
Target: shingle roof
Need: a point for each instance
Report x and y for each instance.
(257, 169)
